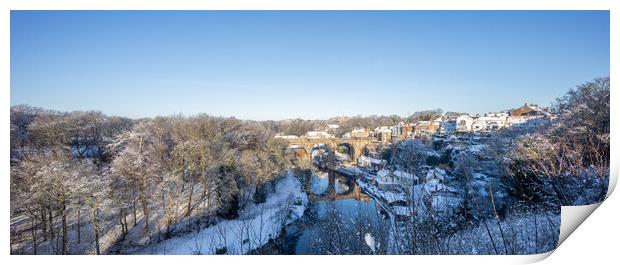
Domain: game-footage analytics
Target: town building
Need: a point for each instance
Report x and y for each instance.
(425, 128)
(371, 164)
(529, 110)
(360, 133)
(491, 121)
(402, 131)
(464, 123)
(384, 134)
(388, 179)
(448, 125)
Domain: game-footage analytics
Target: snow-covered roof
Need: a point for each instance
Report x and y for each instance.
(370, 160)
(382, 173)
(401, 210)
(392, 196)
(465, 116)
(405, 175)
(436, 173)
(477, 148)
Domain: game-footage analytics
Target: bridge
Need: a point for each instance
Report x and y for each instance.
(356, 146)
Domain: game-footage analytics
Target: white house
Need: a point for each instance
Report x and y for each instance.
(491, 121)
(371, 163)
(360, 133)
(405, 179)
(464, 123)
(395, 179)
(385, 179)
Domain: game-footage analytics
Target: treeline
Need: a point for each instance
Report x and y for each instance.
(83, 182)
(300, 127)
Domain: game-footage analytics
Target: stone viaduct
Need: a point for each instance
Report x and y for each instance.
(356, 146)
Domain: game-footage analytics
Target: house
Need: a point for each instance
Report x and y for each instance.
(360, 133)
(402, 131)
(370, 163)
(407, 131)
(464, 123)
(385, 179)
(425, 128)
(516, 120)
(491, 121)
(384, 134)
(436, 173)
(437, 122)
(525, 113)
(405, 179)
(529, 110)
(445, 199)
(398, 128)
(448, 125)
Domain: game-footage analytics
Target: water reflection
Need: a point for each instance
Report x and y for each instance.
(342, 186)
(319, 183)
(338, 218)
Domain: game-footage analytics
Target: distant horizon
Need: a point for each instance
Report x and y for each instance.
(313, 65)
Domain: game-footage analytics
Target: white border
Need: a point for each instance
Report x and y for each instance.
(6, 6)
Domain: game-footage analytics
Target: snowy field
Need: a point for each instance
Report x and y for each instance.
(256, 225)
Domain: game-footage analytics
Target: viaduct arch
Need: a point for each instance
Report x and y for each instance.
(357, 144)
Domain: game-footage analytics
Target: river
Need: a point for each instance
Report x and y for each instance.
(338, 219)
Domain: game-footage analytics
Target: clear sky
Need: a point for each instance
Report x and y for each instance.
(309, 64)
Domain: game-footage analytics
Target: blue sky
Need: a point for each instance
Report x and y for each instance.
(309, 64)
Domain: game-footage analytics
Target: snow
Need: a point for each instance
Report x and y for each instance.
(436, 173)
(383, 173)
(391, 196)
(256, 225)
(523, 234)
(402, 210)
(405, 176)
(477, 148)
(370, 160)
(370, 241)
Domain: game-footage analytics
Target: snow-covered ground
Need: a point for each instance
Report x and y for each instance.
(256, 225)
(526, 233)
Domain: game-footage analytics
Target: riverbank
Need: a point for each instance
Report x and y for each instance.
(255, 226)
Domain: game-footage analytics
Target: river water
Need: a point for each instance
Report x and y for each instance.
(338, 219)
